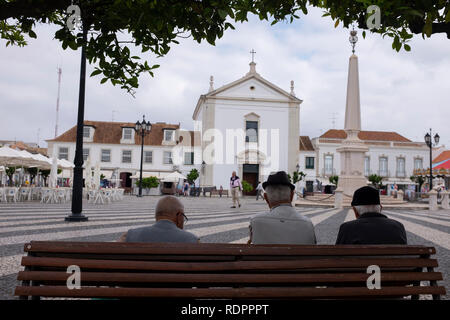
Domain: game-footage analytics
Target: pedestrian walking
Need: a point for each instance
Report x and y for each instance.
(235, 187)
(259, 190)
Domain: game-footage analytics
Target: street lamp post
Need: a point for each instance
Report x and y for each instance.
(430, 145)
(77, 191)
(142, 128)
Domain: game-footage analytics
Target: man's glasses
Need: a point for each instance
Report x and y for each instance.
(185, 218)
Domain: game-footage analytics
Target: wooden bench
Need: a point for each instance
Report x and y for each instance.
(230, 271)
(216, 193)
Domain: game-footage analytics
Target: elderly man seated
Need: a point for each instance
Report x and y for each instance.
(170, 219)
(282, 224)
(370, 226)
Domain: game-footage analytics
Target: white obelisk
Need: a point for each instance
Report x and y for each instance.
(352, 149)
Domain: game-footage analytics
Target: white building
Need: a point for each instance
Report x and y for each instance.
(117, 147)
(250, 126)
(390, 155)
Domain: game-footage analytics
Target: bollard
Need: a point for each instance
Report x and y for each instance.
(432, 201)
(338, 197)
(445, 197)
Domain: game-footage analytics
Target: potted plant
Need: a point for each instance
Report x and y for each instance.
(246, 187)
(149, 185)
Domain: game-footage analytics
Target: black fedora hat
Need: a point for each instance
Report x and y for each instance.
(366, 196)
(278, 178)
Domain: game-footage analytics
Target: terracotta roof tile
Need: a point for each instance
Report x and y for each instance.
(366, 135)
(305, 144)
(443, 156)
(111, 133)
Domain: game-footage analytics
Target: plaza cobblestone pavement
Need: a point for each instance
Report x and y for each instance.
(211, 219)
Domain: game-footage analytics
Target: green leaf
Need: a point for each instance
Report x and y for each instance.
(336, 23)
(104, 80)
(364, 34)
(223, 14)
(73, 45)
(32, 34)
(407, 47)
(96, 72)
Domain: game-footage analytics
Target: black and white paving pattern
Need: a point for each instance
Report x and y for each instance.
(211, 219)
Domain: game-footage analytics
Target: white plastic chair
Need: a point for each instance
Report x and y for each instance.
(24, 194)
(47, 195)
(92, 196)
(68, 194)
(35, 193)
(120, 193)
(106, 194)
(11, 193)
(60, 195)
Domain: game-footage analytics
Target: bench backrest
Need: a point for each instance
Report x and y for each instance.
(175, 270)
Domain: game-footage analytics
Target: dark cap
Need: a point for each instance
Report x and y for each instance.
(278, 178)
(366, 196)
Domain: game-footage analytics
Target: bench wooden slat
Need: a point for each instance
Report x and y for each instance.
(108, 277)
(228, 265)
(234, 293)
(223, 249)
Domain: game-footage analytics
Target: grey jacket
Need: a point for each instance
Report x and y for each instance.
(161, 231)
(282, 225)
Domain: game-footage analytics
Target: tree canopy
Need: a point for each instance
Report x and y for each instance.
(154, 26)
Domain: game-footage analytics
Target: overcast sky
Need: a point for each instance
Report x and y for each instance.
(406, 92)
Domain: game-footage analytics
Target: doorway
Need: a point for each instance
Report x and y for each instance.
(251, 175)
(126, 180)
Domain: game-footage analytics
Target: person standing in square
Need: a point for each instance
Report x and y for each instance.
(235, 187)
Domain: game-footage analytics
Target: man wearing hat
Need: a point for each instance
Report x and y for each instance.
(370, 226)
(282, 224)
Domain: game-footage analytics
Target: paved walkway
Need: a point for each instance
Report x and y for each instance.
(211, 219)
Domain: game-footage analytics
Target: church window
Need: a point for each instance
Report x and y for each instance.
(251, 129)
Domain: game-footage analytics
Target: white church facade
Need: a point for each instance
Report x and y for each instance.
(249, 126)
